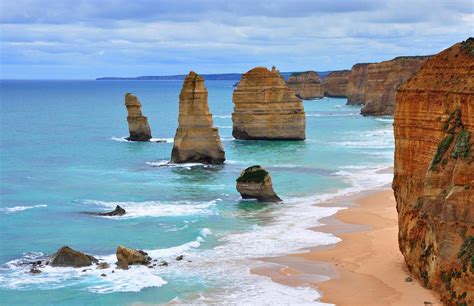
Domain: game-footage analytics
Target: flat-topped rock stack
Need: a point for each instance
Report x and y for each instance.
(137, 123)
(335, 83)
(306, 85)
(196, 139)
(266, 109)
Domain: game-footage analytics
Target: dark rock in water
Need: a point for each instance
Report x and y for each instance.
(67, 257)
(35, 271)
(118, 211)
(163, 263)
(103, 265)
(180, 257)
(103, 275)
(126, 257)
(255, 183)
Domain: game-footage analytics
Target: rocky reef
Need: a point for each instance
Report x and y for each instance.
(383, 79)
(137, 123)
(118, 211)
(265, 108)
(335, 83)
(256, 183)
(306, 85)
(67, 257)
(126, 257)
(196, 139)
(434, 173)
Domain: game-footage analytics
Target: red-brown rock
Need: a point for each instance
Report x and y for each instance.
(335, 83)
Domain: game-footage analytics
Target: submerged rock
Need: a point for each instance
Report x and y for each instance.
(306, 85)
(196, 139)
(266, 109)
(67, 257)
(256, 183)
(434, 173)
(126, 257)
(137, 123)
(118, 211)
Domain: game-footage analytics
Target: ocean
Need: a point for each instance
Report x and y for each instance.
(63, 152)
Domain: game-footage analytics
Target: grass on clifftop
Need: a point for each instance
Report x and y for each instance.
(254, 174)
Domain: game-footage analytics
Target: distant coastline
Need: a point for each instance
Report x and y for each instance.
(180, 77)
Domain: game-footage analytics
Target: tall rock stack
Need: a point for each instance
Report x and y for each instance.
(196, 139)
(265, 108)
(434, 173)
(306, 85)
(335, 83)
(357, 83)
(383, 79)
(137, 123)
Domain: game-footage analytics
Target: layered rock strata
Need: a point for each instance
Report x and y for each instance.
(137, 123)
(67, 257)
(256, 183)
(306, 85)
(265, 108)
(434, 173)
(383, 79)
(196, 139)
(357, 84)
(335, 84)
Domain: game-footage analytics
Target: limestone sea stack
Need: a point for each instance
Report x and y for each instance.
(196, 139)
(266, 109)
(335, 83)
(127, 256)
(383, 79)
(306, 85)
(137, 123)
(434, 173)
(256, 183)
(357, 83)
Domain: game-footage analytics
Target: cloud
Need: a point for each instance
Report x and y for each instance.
(143, 37)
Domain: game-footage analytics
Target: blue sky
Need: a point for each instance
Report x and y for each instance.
(81, 39)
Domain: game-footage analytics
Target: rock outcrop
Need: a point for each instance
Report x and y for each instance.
(118, 211)
(306, 85)
(434, 173)
(265, 108)
(126, 257)
(137, 123)
(357, 84)
(196, 139)
(335, 83)
(383, 79)
(256, 183)
(67, 257)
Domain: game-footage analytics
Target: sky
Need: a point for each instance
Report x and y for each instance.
(85, 39)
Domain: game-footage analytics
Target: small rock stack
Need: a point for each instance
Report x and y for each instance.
(137, 123)
(256, 183)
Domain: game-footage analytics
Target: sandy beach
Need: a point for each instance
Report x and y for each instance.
(365, 268)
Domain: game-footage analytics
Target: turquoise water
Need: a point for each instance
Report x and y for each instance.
(63, 152)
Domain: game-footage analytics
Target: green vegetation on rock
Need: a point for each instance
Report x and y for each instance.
(442, 148)
(462, 146)
(466, 254)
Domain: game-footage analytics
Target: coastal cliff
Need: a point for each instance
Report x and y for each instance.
(306, 85)
(265, 108)
(137, 123)
(434, 173)
(357, 84)
(335, 84)
(196, 139)
(383, 79)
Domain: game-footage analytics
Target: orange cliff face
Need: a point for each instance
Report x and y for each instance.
(335, 83)
(382, 81)
(306, 85)
(434, 173)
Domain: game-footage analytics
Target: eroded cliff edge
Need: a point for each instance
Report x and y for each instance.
(434, 173)
(335, 83)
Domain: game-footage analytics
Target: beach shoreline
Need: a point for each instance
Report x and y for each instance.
(365, 268)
